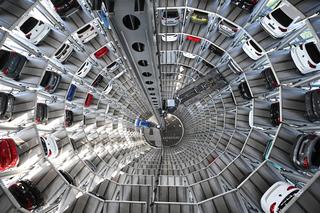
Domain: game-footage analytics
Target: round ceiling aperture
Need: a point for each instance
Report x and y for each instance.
(131, 22)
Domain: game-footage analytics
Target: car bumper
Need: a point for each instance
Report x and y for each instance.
(41, 36)
(169, 23)
(271, 31)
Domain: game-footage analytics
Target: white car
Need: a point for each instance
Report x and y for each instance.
(49, 146)
(169, 37)
(306, 57)
(34, 29)
(251, 118)
(251, 48)
(86, 33)
(277, 196)
(188, 55)
(84, 69)
(170, 17)
(63, 52)
(280, 21)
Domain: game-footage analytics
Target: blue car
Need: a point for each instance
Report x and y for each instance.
(137, 122)
(104, 18)
(71, 92)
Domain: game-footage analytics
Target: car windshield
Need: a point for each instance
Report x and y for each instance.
(45, 79)
(44, 146)
(4, 57)
(313, 52)
(85, 28)
(28, 25)
(171, 13)
(255, 46)
(201, 15)
(216, 50)
(40, 111)
(281, 17)
(315, 158)
(287, 199)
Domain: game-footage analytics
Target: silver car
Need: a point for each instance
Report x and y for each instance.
(170, 17)
(227, 28)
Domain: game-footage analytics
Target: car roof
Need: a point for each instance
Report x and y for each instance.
(318, 46)
(290, 11)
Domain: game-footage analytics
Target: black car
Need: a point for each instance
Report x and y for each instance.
(312, 103)
(306, 153)
(27, 194)
(68, 177)
(65, 8)
(269, 78)
(245, 91)
(247, 5)
(97, 81)
(41, 113)
(97, 195)
(73, 144)
(69, 118)
(6, 106)
(275, 114)
(50, 81)
(207, 64)
(11, 64)
(216, 50)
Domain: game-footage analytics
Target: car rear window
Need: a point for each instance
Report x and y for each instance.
(85, 28)
(315, 158)
(82, 66)
(111, 65)
(28, 25)
(287, 199)
(171, 13)
(61, 49)
(313, 52)
(281, 17)
(255, 46)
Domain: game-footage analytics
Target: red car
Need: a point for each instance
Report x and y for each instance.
(194, 39)
(101, 52)
(89, 100)
(9, 156)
